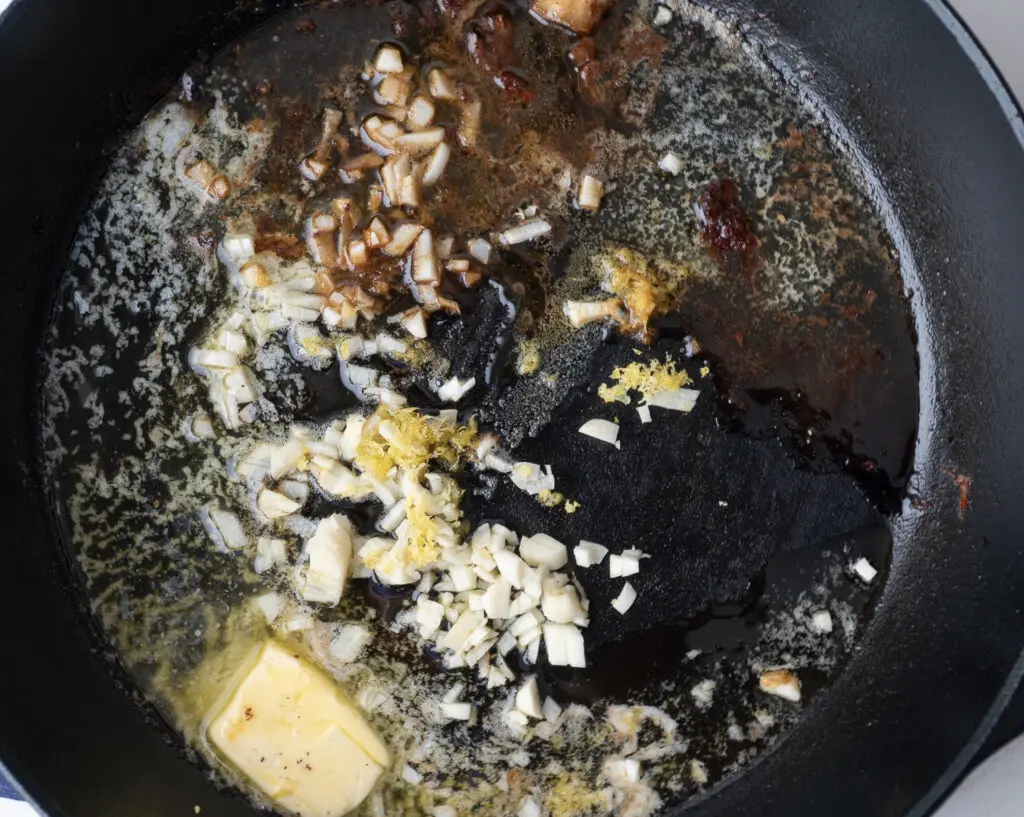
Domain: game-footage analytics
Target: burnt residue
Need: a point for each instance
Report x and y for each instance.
(726, 228)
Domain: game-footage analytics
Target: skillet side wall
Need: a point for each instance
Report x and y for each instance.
(949, 629)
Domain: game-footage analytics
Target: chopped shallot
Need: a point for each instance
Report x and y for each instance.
(625, 599)
(527, 231)
(604, 430)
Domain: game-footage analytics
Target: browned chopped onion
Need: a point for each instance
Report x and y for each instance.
(415, 322)
(426, 296)
(362, 162)
(376, 234)
(202, 173)
(420, 141)
(421, 112)
(320, 239)
(470, 278)
(591, 193)
(440, 86)
(436, 164)
(444, 246)
(393, 90)
(409, 196)
(527, 231)
(469, 123)
(381, 134)
(424, 264)
(392, 174)
(220, 187)
(388, 60)
(357, 253)
(480, 249)
(402, 239)
(346, 207)
(254, 275)
(312, 168)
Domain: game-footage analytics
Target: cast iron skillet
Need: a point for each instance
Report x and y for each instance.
(942, 142)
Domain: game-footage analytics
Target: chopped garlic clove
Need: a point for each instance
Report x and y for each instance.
(671, 163)
(274, 505)
(589, 554)
(590, 194)
(564, 645)
(625, 599)
(349, 643)
(454, 389)
(681, 399)
(821, 622)
(329, 552)
(528, 699)
(581, 313)
(458, 711)
(541, 550)
(864, 570)
(604, 430)
(224, 528)
(782, 683)
(389, 60)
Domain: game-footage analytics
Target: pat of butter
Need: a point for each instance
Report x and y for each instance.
(294, 734)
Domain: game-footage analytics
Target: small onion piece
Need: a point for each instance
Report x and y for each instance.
(224, 528)
(389, 60)
(275, 505)
(589, 554)
(415, 322)
(312, 168)
(421, 141)
(357, 252)
(220, 187)
(454, 389)
(532, 478)
(254, 275)
(564, 644)
(625, 599)
(671, 163)
(681, 399)
(470, 122)
(782, 683)
(528, 699)
(421, 112)
(440, 85)
(527, 231)
(480, 249)
(604, 430)
(581, 313)
(402, 239)
(424, 263)
(202, 173)
(436, 164)
(590, 194)
(393, 90)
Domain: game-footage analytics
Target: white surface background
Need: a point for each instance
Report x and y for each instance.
(997, 788)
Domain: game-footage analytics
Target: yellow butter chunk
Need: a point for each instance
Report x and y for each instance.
(295, 735)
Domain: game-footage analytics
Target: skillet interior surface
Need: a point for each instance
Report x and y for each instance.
(921, 550)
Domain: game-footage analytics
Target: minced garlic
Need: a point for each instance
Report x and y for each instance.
(411, 440)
